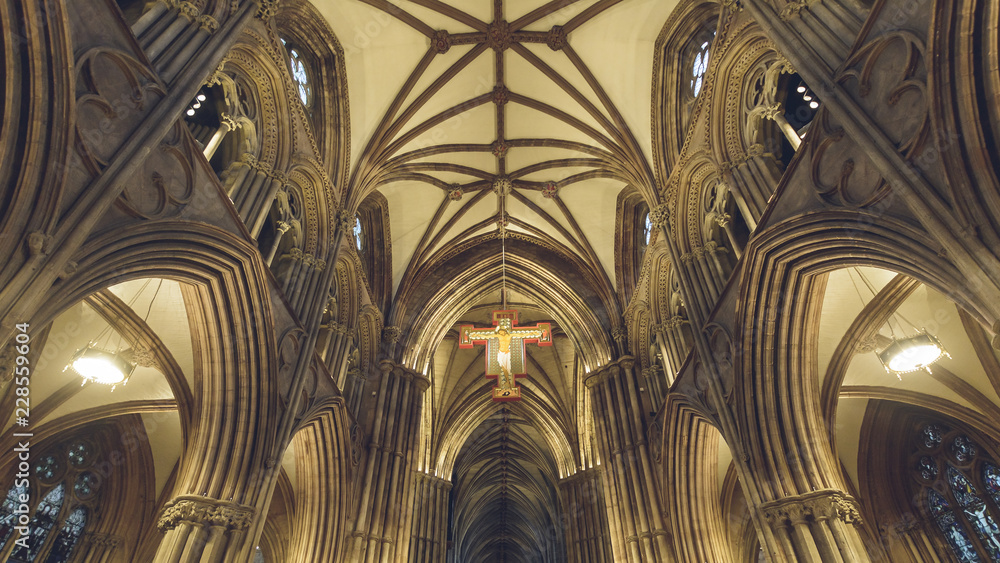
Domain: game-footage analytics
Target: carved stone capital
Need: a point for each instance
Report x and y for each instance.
(659, 216)
(188, 10)
(268, 8)
(282, 227)
(345, 221)
(228, 121)
(208, 23)
(201, 511)
(816, 506)
(390, 334)
(618, 334)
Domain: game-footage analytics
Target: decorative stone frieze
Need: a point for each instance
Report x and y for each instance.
(815, 506)
(202, 511)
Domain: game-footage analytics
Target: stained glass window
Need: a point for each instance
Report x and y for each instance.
(86, 484)
(300, 74)
(68, 536)
(952, 530)
(78, 454)
(8, 514)
(47, 468)
(358, 234)
(932, 435)
(45, 517)
(975, 510)
(963, 508)
(699, 67)
(647, 229)
(57, 522)
(991, 477)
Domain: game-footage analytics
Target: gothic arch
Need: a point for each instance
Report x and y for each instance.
(795, 454)
(668, 75)
(230, 282)
(330, 122)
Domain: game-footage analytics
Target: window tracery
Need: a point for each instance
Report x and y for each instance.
(67, 487)
(959, 488)
(300, 73)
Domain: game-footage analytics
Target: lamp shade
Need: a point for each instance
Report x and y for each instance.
(100, 366)
(911, 354)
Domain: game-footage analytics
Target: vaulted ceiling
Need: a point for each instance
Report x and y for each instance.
(476, 116)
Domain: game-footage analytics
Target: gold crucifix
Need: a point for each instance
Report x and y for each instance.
(505, 349)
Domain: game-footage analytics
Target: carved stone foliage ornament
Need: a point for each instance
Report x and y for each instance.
(200, 511)
(659, 216)
(827, 504)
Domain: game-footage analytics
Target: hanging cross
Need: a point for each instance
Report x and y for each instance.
(505, 349)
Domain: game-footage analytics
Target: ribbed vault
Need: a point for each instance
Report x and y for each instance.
(506, 506)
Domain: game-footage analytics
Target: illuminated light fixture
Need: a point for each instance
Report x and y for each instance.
(100, 366)
(190, 112)
(814, 104)
(201, 97)
(807, 97)
(801, 89)
(915, 353)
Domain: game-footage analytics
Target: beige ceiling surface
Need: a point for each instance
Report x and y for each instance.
(578, 108)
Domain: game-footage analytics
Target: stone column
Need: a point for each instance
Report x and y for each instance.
(383, 524)
(586, 522)
(634, 513)
(817, 526)
(202, 529)
(429, 538)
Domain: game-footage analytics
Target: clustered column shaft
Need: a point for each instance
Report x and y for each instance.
(636, 521)
(587, 539)
(429, 539)
(382, 527)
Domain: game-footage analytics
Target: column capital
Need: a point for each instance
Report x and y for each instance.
(609, 370)
(203, 511)
(825, 504)
(659, 216)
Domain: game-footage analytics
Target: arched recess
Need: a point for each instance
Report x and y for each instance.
(902, 466)
(693, 461)
(463, 421)
(746, 146)
(376, 250)
(273, 544)
(633, 235)
(778, 300)
(561, 285)
(322, 468)
(234, 417)
(106, 478)
(672, 106)
(490, 516)
(965, 110)
(329, 117)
